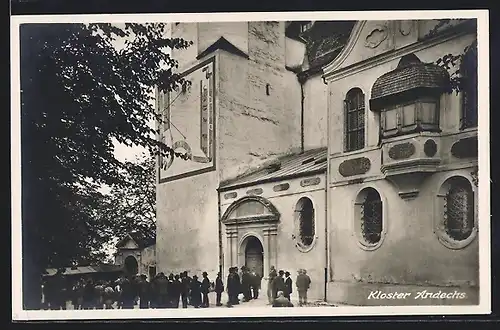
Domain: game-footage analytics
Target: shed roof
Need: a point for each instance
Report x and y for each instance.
(81, 270)
(285, 167)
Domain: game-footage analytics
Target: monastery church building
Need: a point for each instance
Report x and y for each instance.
(329, 146)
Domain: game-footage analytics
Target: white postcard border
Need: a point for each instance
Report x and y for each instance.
(484, 234)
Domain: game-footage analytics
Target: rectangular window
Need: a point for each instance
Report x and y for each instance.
(469, 89)
(408, 112)
(391, 119)
(428, 113)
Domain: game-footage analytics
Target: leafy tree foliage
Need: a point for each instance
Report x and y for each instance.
(83, 86)
(131, 206)
(454, 63)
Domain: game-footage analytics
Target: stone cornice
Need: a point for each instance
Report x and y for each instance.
(331, 72)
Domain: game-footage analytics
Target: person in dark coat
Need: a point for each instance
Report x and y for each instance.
(143, 291)
(288, 286)
(233, 287)
(185, 286)
(190, 279)
(270, 290)
(176, 291)
(205, 289)
(196, 292)
(171, 294)
(162, 289)
(246, 282)
(219, 288)
(128, 293)
(153, 292)
(89, 295)
(238, 285)
(256, 283)
(278, 284)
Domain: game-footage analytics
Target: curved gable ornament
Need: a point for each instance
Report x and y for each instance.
(270, 214)
(378, 35)
(406, 27)
(353, 39)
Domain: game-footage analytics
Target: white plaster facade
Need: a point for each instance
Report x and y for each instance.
(410, 256)
(262, 111)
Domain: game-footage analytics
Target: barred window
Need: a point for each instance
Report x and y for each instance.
(455, 221)
(371, 217)
(468, 70)
(304, 211)
(354, 109)
(459, 211)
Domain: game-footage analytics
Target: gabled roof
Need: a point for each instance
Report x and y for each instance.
(224, 44)
(142, 240)
(285, 167)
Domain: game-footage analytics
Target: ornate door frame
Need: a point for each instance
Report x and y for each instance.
(263, 226)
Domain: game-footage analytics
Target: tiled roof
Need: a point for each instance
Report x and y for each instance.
(324, 41)
(101, 268)
(410, 74)
(287, 166)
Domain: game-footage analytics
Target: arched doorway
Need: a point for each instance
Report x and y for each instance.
(254, 255)
(131, 265)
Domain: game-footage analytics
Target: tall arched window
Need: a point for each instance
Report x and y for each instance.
(369, 217)
(456, 219)
(468, 69)
(305, 222)
(354, 109)
(459, 210)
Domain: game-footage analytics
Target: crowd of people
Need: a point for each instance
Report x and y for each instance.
(173, 291)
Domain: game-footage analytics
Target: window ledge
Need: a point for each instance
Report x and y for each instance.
(369, 246)
(304, 249)
(453, 244)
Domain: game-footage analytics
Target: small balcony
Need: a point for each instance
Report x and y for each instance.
(408, 160)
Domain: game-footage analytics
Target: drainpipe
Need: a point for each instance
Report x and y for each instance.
(327, 196)
(219, 226)
(302, 80)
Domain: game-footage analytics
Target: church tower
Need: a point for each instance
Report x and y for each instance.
(242, 108)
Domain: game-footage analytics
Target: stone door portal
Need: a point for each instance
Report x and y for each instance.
(251, 228)
(254, 256)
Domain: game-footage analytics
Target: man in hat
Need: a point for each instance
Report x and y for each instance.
(256, 283)
(205, 289)
(246, 282)
(278, 284)
(303, 283)
(270, 290)
(219, 288)
(185, 285)
(233, 287)
(196, 292)
(288, 286)
(143, 290)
